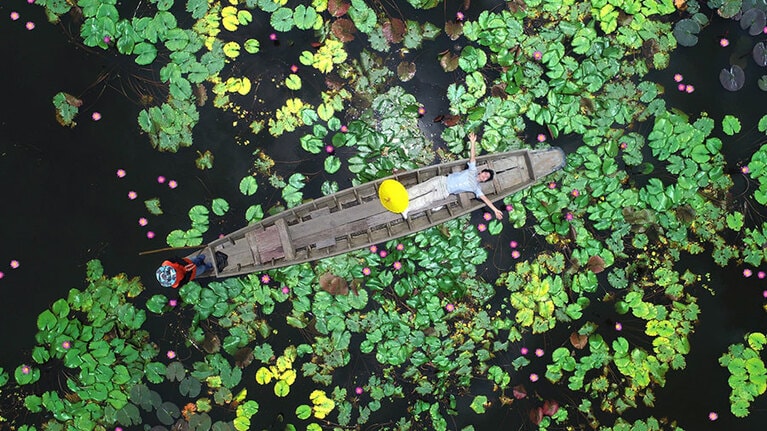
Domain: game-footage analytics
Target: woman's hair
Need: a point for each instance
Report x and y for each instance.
(489, 171)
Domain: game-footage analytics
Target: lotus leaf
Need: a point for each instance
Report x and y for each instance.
(760, 54)
(305, 17)
(732, 79)
(232, 50)
(282, 19)
(362, 15)
(686, 32)
(332, 164)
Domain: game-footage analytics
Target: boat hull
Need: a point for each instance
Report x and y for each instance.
(354, 218)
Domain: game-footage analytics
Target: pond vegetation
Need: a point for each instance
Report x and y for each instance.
(646, 186)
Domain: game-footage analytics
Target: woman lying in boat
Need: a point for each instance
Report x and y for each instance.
(422, 195)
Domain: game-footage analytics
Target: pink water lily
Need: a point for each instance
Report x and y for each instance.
(541, 137)
(172, 184)
(14, 16)
(265, 279)
(172, 302)
(121, 173)
(400, 247)
(397, 265)
(96, 116)
(66, 345)
(329, 149)
(383, 253)
(539, 352)
(171, 354)
(533, 377)
(618, 326)
(689, 88)
(273, 36)
(285, 290)
(537, 55)
(487, 216)
(459, 16)
(2, 274)
(509, 208)
(745, 170)
(678, 77)
(366, 271)
(143, 221)
(150, 234)
(482, 227)
(132, 195)
(160, 179)
(747, 273)
(516, 254)
(723, 42)
(344, 129)
(30, 25)
(681, 87)
(421, 111)
(294, 68)
(450, 308)
(523, 350)
(15, 264)
(569, 216)
(25, 369)
(358, 390)
(712, 416)
(374, 249)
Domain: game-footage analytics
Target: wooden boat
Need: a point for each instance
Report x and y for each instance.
(355, 218)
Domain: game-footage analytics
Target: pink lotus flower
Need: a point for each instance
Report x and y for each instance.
(487, 216)
(172, 302)
(285, 290)
(745, 170)
(383, 253)
(541, 137)
(450, 308)
(747, 273)
(678, 77)
(160, 179)
(366, 271)
(533, 377)
(523, 350)
(374, 249)
(689, 88)
(539, 352)
(400, 247)
(96, 116)
(15, 264)
(150, 234)
(358, 390)
(516, 254)
(618, 326)
(344, 129)
(121, 173)
(14, 16)
(294, 68)
(537, 55)
(143, 221)
(723, 42)
(265, 279)
(171, 354)
(397, 265)
(30, 25)
(66, 345)
(513, 244)
(481, 227)
(172, 184)
(132, 195)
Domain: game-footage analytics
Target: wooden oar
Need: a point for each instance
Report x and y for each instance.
(169, 249)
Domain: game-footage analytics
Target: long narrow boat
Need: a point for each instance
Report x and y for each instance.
(355, 218)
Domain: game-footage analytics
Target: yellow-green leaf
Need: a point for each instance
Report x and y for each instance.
(281, 388)
(230, 22)
(263, 376)
(293, 82)
(232, 49)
